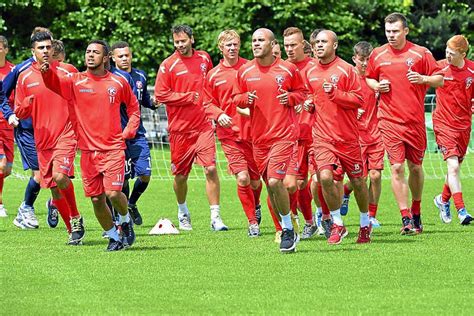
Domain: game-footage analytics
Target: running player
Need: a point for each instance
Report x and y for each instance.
(402, 72)
(231, 125)
(100, 135)
(137, 154)
(6, 131)
(271, 88)
(452, 123)
(293, 42)
(370, 138)
(179, 85)
(54, 135)
(276, 49)
(337, 96)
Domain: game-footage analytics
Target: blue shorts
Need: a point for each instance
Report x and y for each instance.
(137, 158)
(26, 145)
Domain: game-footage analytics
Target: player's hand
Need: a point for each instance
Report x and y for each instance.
(308, 105)
(44, 67)
(415, 77)
(283, 97)
(243, 112)
(384, 86)
(327, 86)
(299, 108)
(155, 103)
(13, 120)
(224, 120)
(196, 97)
(251, 96)
(359, 113)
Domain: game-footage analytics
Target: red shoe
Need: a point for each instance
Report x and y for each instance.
(364, 235)
(337, 234)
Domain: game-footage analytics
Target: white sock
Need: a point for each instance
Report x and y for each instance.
(124, 218)
(319, 210)
(215, 210)
(337, 218)
(364, 219)
(286, 221)
(183, 209)
(113, 233)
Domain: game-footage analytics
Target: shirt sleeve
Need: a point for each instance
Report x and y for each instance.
(372, 69)
(430, 65)
(210, 103)
(239, 92)
(298, 92)
(349, 94)
(165, 94)
(59, 85)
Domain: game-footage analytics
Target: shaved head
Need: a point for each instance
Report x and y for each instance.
(332, 36)
(268, 33)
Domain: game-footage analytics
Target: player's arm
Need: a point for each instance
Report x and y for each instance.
(133, 112)
(8, 85)
(210, 103)
(23, 104)
(59, 85)
(146, 99)
(349, 95)
(165, 94)
(241, 97)
(299, 92)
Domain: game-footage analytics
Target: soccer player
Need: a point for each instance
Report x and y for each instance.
(402, 72)
(452, 123)
(97, 95)
(137, 154)
(6, 131)
(369, 136)
(230, 128)
(276, 50)
(179, 85)
(24, 138)
(337, 95)
(271, 88)
(293, 42)
(54, 135)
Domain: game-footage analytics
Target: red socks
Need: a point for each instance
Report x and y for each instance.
(373, 210)
(256, 194)
(2, 178)
(415, 207)
(294, 202)
(446, 195)
(70, 196)
(458, 201)
(64, 211)
(276, 222)
(246, 197)
(347, 191)
(324, 206)
(405, 213)
(304, 200)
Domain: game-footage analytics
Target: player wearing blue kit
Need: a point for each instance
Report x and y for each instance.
(138, 159)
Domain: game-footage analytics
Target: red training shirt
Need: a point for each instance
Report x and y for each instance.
(368, 123)
(3, 73)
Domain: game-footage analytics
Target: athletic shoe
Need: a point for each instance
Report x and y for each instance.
(3, 211)
(254, 230)
(364, 235)
(105, 235)
(77, 229)
(374, 222)
(185, 222)
(53, 215)
(26, 217)
(277, 237)
(407, 226)
(114, 245)
(317, 217)
(308, 231)
(128, 234)
(217, 224)
(258, 213)
(417, 225)
(464, 217)
(326, 225)
(337, 234)
(72, 242)
(288, 240)
(345, 205)
(135, 214)
(444, 209)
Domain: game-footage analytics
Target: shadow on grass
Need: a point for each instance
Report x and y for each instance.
(337, 249)
(392, 241)
(151, 248)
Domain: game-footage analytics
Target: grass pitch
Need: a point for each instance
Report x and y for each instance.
(204, 272)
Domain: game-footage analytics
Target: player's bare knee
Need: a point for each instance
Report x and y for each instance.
(145, 179)
(243, 179)
(98, 200)
(61, 179)
(415, 170)
(326, 178)
(274, 183)
(180, 179)
(375, 176)
(302, 184)
(255, 184)
(113, 195)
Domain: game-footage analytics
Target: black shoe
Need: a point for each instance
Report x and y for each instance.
(53, 214)
(407, 226)
(258, 213)
(327, 224)
(134, 214)
(114, 245)
(77, 229)
(128, 234)
(288, 241)
(417, 224)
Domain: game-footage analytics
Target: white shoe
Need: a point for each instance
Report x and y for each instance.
(3, 211)
(444, 209)
(374, 222)
(217, 224)
(26, 217)
(185, 222)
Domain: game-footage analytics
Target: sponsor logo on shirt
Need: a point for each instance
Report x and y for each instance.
(253, 79)
(112, 92)
(468, 82)
(86, 90)
(117, 183)
(33, 84)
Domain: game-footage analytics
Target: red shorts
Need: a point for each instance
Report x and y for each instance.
(452, 142)
(304, 156)
(294, 167)
(372, 155)
(404, 142)
(102, 171)
(340, 158)
(59, 159)
(6, 145)
(239, 156)
(198, 147)
(273, 160)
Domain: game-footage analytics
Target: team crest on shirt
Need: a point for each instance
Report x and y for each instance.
(139, 84)
(203, 68)
(468, 82)
(279, 79)
(112, 92)
(410, 62)
(334, 79)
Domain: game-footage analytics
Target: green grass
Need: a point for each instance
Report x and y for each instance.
(203, 272)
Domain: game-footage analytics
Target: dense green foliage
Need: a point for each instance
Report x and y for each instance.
(146, 24)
